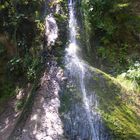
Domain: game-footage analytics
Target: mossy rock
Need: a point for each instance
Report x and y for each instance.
(116, 106)
(70, 95)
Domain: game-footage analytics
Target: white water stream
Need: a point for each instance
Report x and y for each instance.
(75, 65)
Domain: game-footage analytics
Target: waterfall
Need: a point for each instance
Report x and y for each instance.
(76, 67)
(80, 117)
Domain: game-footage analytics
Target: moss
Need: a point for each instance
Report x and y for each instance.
(70, 95)
(65, 102)
(60, 17)
(119, 114)
(123, 5)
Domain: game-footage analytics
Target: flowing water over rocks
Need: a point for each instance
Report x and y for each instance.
(63, 110)
(81, 120)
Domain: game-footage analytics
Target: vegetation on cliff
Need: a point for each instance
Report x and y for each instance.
(21, 33)
(119, 105)
(22, 41)
(113, 31)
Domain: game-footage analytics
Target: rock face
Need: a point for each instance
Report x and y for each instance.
(44, 122)
(115, 106)
(51, 31)
(7, 120)
(80, 123)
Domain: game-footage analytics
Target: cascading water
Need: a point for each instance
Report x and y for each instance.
(74, 61)
(82, 122)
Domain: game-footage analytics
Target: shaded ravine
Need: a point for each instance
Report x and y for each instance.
(81, 120)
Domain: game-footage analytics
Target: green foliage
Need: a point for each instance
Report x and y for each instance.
(15, 66)
(60, 17)
(118, 106)
(33, 69)
(27, 67)
(114, 25)
(18, 20)
(21, 20)
(134, 72)
(133, 75)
